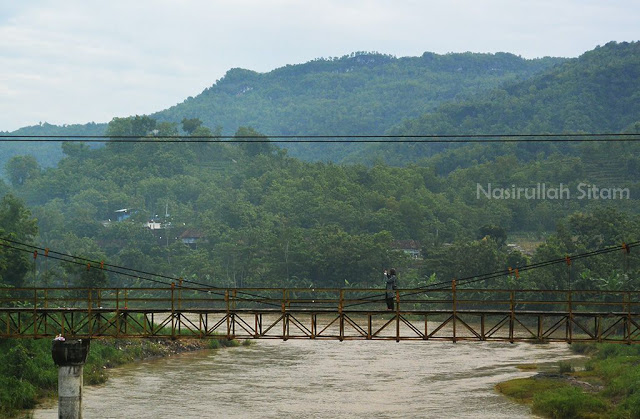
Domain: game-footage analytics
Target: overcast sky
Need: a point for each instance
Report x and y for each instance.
(77, 61)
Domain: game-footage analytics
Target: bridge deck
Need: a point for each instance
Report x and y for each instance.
(454, 315)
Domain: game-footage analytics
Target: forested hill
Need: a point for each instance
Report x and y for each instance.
(233, 214)
(362, 93)
(47, 154)
(596, 92)
(599, 91)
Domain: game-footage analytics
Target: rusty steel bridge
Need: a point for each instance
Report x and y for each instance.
(452, 314)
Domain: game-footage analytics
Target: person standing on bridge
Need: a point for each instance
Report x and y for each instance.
(391, 281)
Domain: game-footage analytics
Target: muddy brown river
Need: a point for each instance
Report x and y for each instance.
(321, 379)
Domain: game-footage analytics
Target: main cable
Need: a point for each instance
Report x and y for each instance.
(501, 273)
(368, 299)
(119, 270)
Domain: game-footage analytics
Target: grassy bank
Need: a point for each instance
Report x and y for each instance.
(607, 387)
(28, 374)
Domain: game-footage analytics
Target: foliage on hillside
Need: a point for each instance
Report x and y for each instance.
(260, 217)
(361, 93)
(597, 92)
(358, 94)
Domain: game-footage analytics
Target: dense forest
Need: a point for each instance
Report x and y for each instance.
(243, 213)
(239, 210)
(358, 94)
(375, 94)
(597, 92)
(362, 93)
(247, 214)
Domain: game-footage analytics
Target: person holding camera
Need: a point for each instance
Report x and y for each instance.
(391, 281)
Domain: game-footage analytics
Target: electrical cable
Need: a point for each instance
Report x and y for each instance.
(361, 138)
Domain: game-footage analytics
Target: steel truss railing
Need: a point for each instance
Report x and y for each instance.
(341, 314)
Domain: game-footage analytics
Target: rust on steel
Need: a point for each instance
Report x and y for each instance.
(452, 314)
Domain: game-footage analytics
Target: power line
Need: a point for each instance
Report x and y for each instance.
(362, 138)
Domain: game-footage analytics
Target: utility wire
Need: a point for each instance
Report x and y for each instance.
(77, 262)
(362, 138)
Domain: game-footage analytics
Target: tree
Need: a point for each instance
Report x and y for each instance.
(22, 168)
(133, 126)
(252, 142)
(75, 150)
(190, 125)
(493, 231)
(81, 274)
(4, 188)
(15, 224)
(167, 129)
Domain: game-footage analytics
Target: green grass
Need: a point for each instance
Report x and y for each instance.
(609, 386)
(26, 373)
(523, 390)
(527, 367)
(568, 402)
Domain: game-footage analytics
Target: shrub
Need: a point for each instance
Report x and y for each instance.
(630, 407)
(583, 348)
(567, 402)
(15, 394)
(565, 367)
(523, 389)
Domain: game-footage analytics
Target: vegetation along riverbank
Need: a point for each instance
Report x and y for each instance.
(28, 374)
(607, 387)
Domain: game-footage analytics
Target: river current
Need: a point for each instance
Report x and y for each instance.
(321, 379)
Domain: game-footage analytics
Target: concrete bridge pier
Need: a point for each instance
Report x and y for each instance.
(70, 357)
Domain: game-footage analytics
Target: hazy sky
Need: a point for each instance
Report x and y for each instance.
(76, 61)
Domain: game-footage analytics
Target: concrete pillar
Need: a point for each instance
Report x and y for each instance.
(70, 356)
(70, 391)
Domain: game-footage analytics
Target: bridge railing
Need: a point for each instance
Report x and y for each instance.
(319, 299)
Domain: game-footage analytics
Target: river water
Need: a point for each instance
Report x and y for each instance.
(321, 379)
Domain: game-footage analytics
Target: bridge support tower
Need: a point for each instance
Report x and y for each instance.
(70, 357)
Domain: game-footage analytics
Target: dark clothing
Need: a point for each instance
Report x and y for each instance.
(391, 282)
(389, 301)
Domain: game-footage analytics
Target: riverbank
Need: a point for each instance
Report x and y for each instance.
(28, 374)
(608, 386)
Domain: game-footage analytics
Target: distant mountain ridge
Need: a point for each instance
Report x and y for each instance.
(373, 94)
(358, 94)
(47, 154)
(597, 92)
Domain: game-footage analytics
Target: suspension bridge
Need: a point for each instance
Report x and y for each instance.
(185, 309)
(339, 314)
(440, 311)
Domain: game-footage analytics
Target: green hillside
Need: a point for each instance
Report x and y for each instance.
(358, 94)
(597, 92)
(47, 154)
(362, 93)
(261, 217)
